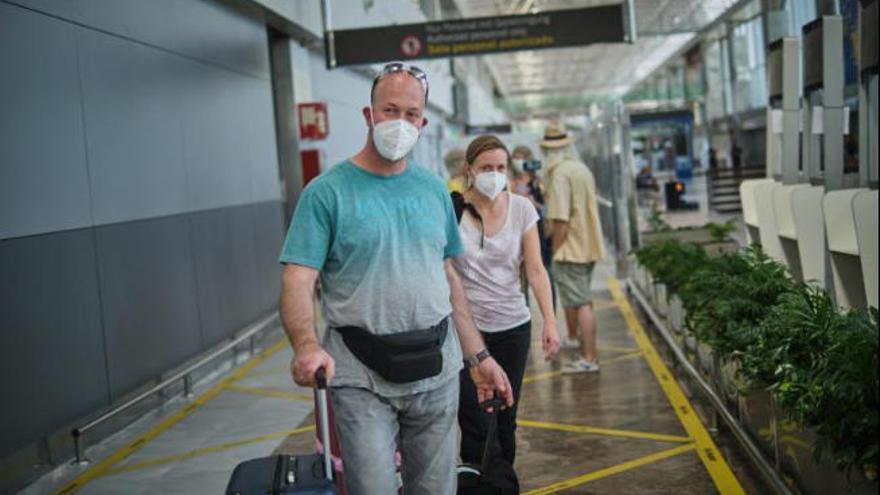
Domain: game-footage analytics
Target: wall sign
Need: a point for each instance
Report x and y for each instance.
(311, 165)
(313, 122)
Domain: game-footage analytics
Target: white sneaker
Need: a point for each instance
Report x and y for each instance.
(570, 344)
(580, 366)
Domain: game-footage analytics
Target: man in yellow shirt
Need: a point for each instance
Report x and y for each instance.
(577, 239)
(454, 161)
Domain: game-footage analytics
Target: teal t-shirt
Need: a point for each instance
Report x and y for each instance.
(379, 243)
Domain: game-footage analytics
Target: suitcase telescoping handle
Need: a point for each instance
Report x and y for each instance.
(321, 380)
(494, 404)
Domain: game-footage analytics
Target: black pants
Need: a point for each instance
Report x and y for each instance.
(510, 348)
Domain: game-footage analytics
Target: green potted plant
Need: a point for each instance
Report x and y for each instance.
(820, 364)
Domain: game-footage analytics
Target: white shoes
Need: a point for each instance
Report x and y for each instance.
(567, 343)
(580, 366)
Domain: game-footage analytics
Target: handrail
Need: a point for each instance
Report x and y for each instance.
(249, 333)
(770, 474)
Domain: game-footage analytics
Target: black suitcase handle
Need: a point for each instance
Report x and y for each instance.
(495, 404)
(321, 378)
(321, 381)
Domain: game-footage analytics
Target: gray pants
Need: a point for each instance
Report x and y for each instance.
(369, 426)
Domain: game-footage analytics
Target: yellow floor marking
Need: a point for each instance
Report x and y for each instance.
(541, 376)
(268, 392)
(610, 471)
(601, 431)
(101, 467)
(551, 374)
(204, 451)
(622, 357)
(722, 476)
(280, 370)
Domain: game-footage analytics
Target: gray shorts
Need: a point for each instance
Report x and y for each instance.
(427, 426)
(573, 281)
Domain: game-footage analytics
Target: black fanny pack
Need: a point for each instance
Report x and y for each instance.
(401, 357)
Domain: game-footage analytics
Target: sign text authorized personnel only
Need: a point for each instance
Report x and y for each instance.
(479, 36)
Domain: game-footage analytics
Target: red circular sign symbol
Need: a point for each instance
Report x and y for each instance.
(410, 46)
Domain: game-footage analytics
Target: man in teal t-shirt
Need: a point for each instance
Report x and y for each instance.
(380, 231)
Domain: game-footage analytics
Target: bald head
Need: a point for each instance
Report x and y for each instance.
(398, 82)
(399, 96)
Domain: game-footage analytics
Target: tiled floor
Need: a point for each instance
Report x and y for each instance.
(194, 454)
(614, 432)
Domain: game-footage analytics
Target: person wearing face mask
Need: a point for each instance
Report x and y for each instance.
(381, 234)
(524, 181)
(528, 184)
(499, 232)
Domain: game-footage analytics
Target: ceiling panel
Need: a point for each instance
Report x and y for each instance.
(530, 81)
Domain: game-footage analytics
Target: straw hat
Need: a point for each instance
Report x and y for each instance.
(555, 136)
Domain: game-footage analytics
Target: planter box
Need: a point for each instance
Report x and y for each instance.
(706, 358)
(814, 478)
(675, 314)
(690, 352)
(757, 419)
(699, 236)
(724, 378)
(661, 303)
(690, 342)
(643, 279)
(679, 340)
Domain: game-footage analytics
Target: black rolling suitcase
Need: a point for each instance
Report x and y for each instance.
(494, 475)
(287, 475)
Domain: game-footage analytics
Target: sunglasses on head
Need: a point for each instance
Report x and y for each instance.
(393, 67)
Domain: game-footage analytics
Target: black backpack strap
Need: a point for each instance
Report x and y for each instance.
(461, 206)
(457, 204)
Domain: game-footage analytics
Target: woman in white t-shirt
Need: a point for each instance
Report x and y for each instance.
(499, 233)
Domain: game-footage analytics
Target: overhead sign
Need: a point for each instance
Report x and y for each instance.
(477, 36)
(474, 130)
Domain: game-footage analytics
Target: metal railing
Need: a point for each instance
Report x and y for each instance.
(186, 375)
(768, 471)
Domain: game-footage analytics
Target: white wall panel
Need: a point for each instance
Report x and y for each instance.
(202, 29)
(43, 175)
(135, 133)
(257, 130)
(228, 138)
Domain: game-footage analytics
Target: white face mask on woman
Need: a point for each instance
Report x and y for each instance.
(394, 139)
(490, 184)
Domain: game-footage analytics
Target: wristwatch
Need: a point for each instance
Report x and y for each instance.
(476, 359)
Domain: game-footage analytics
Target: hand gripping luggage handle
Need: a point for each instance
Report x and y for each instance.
(321, 380)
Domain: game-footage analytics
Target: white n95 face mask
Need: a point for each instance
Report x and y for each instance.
(394, 139)
(517, 164)
(491, 183)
